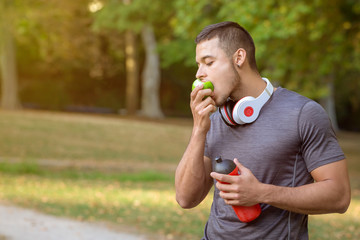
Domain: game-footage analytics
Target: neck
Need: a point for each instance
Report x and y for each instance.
(250, 84)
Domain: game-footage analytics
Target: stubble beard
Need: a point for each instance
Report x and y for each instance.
(235, 83)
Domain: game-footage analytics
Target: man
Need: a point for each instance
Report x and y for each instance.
(288, 158)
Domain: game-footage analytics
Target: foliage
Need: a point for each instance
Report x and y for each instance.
(305, 40)
(131, 15)
(62, 62)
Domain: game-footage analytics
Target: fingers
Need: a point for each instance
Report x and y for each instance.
(201, 108)
(224, 187)
(223, 177)
(195, 91)
(230, 197)
(199, 105)
(206, 108)
(198, 94)
(242, 169)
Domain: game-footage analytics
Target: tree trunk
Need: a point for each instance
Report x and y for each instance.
(329, 104)
(150, 105)
(132, 74)
(9, 81)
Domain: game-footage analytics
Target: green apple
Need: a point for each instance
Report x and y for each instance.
(207, 84)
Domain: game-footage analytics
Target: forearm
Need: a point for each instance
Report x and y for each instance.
(192, 177)
(316, 198)
(192, 174)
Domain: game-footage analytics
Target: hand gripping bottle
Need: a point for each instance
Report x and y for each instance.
(244, 213)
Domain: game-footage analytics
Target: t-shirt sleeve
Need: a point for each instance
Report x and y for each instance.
(319, 143)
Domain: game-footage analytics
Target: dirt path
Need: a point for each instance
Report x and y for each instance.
(24, 224)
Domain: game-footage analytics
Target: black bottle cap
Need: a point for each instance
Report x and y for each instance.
(224, 166)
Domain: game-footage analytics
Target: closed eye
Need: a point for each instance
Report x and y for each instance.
(209, 63)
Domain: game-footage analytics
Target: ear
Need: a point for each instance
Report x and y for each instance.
(239, 57)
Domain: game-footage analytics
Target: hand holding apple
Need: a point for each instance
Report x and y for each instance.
(201, 104)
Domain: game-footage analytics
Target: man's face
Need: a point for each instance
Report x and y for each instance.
(215, 66)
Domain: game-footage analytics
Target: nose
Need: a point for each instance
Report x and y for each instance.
(200, 74)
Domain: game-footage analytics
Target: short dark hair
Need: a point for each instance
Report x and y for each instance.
(231, 36)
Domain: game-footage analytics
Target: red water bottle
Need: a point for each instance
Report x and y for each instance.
(244, 213)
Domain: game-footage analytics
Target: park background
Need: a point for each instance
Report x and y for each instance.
(95, 100)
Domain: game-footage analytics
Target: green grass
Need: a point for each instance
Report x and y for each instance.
(101, 168)
(29, 168)
(32, 135)
(147, 205)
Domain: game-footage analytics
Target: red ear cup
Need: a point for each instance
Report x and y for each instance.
(248, 111)
(226, 113)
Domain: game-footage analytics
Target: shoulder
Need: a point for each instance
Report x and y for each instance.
(290, 97)
(285, 106)
(318, 140)
(308, 115)
(305, 108)
(313, 117)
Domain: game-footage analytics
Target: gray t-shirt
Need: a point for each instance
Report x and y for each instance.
(292, 137)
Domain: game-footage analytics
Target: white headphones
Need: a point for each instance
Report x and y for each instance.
(247, 109)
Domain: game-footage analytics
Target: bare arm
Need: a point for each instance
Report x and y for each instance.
(328, 194)
(192, 177)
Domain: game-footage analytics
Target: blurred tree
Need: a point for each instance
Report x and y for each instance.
(132, 69)
(9, 86)
(132, 73)
(141, 16)
(63, 64)
(150, 105)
